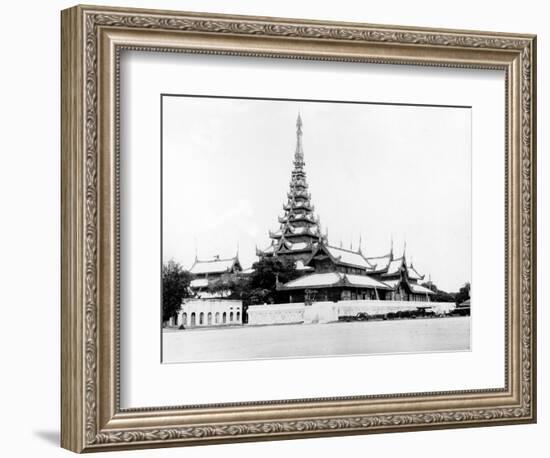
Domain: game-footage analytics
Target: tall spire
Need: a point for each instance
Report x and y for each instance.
(299, 229)
(299, 154)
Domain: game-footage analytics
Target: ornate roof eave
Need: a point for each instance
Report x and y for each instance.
(302, 214)
(328, 285)
(284, 249)
(381, 271)
(343, 282)
(291, 235)
(389, 276)
(274, 235)
(302, 194)
(293, 206)
(347, 264)
(302, 219)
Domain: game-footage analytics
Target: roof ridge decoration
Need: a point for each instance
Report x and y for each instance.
(218, 259)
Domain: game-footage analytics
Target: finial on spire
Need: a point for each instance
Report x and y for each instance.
(360, 243)
(404, 247)
(391, 246)
(237, 255)
(299, 154)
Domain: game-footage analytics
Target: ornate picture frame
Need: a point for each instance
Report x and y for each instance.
(92, 40)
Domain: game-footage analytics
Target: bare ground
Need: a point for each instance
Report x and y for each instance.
(300, 340)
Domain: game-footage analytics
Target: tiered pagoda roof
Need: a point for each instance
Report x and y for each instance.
(299, 230)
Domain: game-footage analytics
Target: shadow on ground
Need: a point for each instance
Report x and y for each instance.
(52, 437)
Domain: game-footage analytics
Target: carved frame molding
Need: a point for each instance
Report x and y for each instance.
(92, 38)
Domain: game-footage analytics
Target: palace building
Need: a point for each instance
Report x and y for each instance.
(206, 308)
(332, 273)
(206, 271)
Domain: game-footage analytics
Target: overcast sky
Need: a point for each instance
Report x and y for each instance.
(373, 171)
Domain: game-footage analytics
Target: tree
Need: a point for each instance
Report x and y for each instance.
(262, 285)
(463, 294)
(175, 287)
(440, 295)
(240, 287)
(228, 285)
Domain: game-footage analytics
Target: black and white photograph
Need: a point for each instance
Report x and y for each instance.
(305, 228)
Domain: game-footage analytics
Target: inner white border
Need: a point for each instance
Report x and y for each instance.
(145, 382)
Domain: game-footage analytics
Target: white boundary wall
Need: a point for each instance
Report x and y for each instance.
(276, 313)
(325, 312)
(377, 307)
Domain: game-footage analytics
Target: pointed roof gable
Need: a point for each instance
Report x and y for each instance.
(380, 263)
(395, 266)
(342, 256)
(413, 273)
